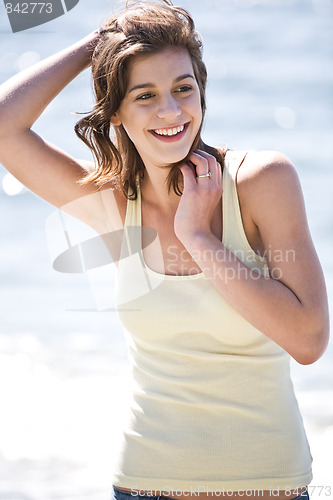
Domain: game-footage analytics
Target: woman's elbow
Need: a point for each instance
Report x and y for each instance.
(314, 342)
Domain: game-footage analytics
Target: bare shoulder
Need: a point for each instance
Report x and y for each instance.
(112, 185)
(86, 165)
(104, 207)
(115, 202)
(266, 178)
(259, 166)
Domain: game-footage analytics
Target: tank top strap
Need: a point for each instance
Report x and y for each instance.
(234, 160)
(131, 240)
(133, 215)
(233, 230)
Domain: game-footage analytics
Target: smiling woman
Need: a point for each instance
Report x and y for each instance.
(230, 289)
(126, 83)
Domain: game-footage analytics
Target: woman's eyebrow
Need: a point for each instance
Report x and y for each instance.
(150, 85)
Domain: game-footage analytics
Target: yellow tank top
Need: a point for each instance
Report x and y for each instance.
(213, 405)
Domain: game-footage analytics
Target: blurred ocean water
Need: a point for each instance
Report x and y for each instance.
(63, 365)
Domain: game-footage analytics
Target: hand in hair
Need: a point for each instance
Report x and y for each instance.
(200, 195)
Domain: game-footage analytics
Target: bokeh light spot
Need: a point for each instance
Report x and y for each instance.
(11, 185)
(285, 117)
(27, 59)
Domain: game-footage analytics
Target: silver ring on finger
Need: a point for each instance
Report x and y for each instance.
(209, 174)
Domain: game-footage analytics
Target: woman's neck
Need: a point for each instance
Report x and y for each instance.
(154, 190)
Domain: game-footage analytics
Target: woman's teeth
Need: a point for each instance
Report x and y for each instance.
(170, 131)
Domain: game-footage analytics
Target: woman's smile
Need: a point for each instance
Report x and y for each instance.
(170, 134)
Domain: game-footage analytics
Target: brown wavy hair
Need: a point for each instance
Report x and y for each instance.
(141, 28)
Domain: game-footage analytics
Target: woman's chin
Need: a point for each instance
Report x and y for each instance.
(178, 162)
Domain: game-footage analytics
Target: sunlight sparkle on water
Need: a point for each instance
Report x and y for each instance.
(46, 414)
(12, 186)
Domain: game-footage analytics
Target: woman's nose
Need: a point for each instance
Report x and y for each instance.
(168, 108)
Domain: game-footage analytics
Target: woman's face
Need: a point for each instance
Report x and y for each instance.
(161, 111)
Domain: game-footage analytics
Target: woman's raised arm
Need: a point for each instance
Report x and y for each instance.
(46, 170)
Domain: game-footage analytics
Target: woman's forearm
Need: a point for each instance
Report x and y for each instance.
(265, 302)
(25, 96)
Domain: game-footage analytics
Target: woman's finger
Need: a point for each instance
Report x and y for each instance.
(202, 165)
(207, 163)
(188, 176)
(214, 164)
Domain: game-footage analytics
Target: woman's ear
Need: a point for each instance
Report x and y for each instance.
(115, 120)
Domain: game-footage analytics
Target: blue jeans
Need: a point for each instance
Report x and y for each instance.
(127, 495)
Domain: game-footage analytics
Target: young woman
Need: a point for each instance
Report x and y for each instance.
(229, 289)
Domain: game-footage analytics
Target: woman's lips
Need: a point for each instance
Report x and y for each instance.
(170, 138)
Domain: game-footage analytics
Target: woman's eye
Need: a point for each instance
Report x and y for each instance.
(144, 97)
(184, 88)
